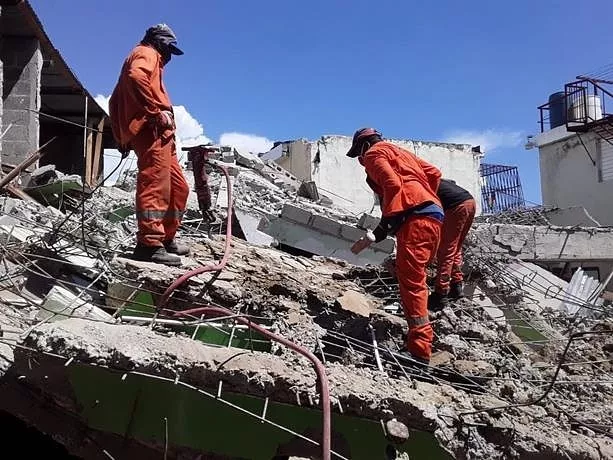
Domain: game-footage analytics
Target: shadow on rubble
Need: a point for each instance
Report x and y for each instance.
(17, 436)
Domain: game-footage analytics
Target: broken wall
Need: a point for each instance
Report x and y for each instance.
(570, 178)
(344, 181)
(21, 83)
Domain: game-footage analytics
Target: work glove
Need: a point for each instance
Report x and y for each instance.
(363, 242)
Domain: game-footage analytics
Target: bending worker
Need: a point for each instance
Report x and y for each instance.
(459, 207)
(411, 210)
(143, 120)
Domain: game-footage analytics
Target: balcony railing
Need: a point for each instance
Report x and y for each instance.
(581, 107)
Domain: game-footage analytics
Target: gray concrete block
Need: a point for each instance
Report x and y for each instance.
(17, 102)
(325, 225)
(351, 233)
(314, 241)
(21, 88)
(296, 214)
(17, 133)
(386, 245)
(15, 117)
(368, 222)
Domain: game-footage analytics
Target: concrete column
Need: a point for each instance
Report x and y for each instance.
(22, 69)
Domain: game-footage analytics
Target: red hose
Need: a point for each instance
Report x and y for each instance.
(208, 268)
(317, 364)
(319, 367)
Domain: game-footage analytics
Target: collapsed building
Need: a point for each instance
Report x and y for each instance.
(104, 355)
(274, 340)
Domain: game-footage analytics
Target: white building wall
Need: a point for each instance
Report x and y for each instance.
(569, 178)
(343, 179)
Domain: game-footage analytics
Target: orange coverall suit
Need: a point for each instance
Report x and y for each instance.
(404, 181)
(161, 188)
(459, 207)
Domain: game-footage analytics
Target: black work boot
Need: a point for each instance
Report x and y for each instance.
(156, 254)
(456, 290)
(437, 301)
(173, 248)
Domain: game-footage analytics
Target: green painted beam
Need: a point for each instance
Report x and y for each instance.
(138, 406)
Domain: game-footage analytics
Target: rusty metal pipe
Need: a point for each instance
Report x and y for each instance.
(208, 268)
(320, 370)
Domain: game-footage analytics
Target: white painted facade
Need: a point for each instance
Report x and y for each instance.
(343, 179)
(569, 177)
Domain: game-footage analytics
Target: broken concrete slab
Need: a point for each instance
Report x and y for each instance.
(249, 222)
(61, 304)
(540, 243)
(130, 349)
(396, 432)
(474, 368)
(314, 241)
(357, 303)
(248, 160)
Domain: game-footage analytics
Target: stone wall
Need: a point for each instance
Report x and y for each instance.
(22, 67)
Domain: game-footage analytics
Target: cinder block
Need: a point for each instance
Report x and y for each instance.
(351, 233)
(386, 245)
(296, 214)
(15, 117)
(21, 88)
(368, 222)
(325, 225)
(16, 133)
(17, 102)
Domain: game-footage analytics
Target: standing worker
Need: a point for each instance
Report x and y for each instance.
(411, 210)
(143, 120)
(459, 206)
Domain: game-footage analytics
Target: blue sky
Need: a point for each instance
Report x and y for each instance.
(471, 71)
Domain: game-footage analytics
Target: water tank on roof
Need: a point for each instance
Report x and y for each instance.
(585, 109)
(557, 109)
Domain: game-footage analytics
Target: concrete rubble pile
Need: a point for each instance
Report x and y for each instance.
(73, 303)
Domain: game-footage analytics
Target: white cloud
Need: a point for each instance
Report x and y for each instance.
(189, 132)
(489, 139)
(247, 142)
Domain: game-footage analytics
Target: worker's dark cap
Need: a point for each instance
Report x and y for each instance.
(162, 33)
(360, 134)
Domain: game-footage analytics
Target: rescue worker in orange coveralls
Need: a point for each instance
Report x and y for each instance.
(143, 120)
(412, 211)
(459, 206)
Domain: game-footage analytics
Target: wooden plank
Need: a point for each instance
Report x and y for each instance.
(19, 193)
(97, 152)
(88, 156)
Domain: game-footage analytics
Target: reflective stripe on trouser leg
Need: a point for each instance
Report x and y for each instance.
(417, 241)
(150, 214)
(419, 321)
(152, 185)
(179, 191)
